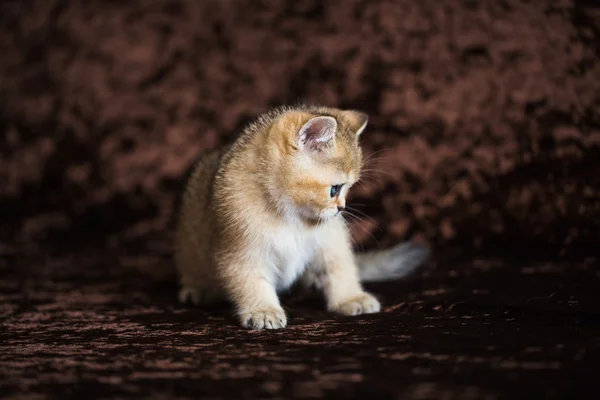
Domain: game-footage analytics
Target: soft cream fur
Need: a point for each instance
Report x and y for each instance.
(258, 216)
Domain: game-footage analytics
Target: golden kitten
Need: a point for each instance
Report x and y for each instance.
(266, 211)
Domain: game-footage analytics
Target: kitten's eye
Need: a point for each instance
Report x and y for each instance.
(335, 190)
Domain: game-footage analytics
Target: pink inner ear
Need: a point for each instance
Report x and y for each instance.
(317, 132)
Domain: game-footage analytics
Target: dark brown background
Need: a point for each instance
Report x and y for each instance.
(485, 137)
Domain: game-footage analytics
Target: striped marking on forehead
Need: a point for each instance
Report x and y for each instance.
(348, 166)
(347, 150)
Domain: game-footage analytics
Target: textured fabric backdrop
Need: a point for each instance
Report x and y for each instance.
(485, 143)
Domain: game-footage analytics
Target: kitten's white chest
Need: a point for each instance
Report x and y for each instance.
(292, 250)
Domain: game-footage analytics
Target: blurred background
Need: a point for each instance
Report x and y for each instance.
(484, 140)
(484, 115)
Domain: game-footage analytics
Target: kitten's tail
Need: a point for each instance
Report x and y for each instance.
(393, 263)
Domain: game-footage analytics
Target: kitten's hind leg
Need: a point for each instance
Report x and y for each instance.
(198, 295)
(197, 281)
(311, 280)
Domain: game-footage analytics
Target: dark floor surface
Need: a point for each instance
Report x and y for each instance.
(76, 326)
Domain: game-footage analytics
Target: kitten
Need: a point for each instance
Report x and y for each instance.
(266, 211)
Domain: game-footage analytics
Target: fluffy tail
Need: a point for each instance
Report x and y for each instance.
(393, 263)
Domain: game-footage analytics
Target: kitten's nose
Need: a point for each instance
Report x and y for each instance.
(340, 208)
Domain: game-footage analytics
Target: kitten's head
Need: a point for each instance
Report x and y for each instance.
(317, 160)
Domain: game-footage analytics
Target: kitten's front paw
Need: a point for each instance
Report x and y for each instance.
(271, 318)
(362, 304)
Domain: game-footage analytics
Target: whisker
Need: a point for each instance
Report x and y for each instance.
(368, 182)
(378, 171)
(354, 241)
(371, 155)
(360, 218)
(355, 218)
(374, 161)
(369, 176)
(363, 183)
(361, 213)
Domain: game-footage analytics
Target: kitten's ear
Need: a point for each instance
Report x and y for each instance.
(317, 133)
(358, 120)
